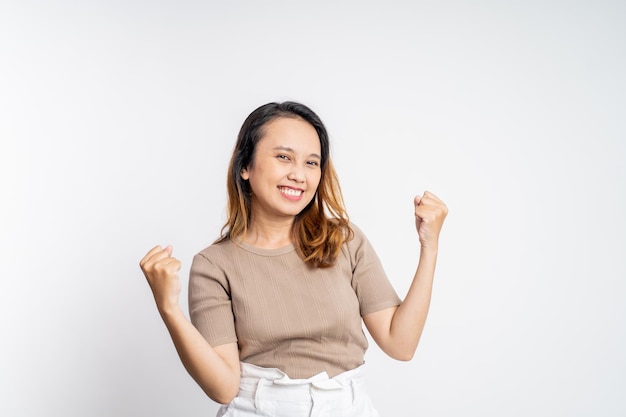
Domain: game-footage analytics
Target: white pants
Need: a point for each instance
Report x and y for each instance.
(270, 392)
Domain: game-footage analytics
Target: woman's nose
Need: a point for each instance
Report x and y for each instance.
(297, 174)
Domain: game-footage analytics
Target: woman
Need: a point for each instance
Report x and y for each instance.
(277, 301)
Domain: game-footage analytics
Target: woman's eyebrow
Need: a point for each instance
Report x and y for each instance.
(288, 149)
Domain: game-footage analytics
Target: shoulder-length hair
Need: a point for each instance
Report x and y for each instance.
(322, 227)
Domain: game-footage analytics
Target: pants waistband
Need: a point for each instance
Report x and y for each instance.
(272, 383)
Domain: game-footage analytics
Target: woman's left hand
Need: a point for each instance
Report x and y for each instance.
(430, 212)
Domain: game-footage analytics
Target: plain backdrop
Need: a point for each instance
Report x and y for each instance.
(117, 121)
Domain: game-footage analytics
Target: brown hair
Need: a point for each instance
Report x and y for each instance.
(322, 227)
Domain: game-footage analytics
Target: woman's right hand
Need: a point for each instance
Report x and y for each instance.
(161, 271)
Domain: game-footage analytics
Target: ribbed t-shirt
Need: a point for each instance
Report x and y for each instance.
(284, 313)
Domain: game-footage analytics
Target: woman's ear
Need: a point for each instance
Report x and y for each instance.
(244, 174)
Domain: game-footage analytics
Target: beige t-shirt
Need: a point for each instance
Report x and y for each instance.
(283, 313)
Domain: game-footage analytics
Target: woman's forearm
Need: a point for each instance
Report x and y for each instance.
(397, 330)
(408, 321)
(215, 369)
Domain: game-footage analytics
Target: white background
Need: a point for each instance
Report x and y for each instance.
(117, 120)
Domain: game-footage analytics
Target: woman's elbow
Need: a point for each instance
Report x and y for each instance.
(403, 356)
(402, 353)
(224, 391)
(224, 396)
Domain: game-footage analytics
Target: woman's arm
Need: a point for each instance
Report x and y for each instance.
(397, 330)
(215, 369)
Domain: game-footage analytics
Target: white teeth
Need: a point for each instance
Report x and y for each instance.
(289, 191)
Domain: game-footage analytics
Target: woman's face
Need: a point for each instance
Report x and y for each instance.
(285, 170)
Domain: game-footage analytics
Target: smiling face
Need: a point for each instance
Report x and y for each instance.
(285, 170)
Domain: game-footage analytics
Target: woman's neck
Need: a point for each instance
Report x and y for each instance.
(267, 234)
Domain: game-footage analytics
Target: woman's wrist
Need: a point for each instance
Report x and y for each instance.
(429, 249)
(170, 312)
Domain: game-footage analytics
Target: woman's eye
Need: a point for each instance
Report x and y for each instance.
(283, 157)
(313, 163)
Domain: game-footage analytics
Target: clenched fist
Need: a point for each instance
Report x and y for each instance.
(430, 212)
(161, 271)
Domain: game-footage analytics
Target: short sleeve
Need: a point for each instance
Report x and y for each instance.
(210, 306)
(369, 281)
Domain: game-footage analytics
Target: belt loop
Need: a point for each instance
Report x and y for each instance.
(353, 390)
(257, 394)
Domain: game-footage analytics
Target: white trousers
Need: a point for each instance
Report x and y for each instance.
(270, 392)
